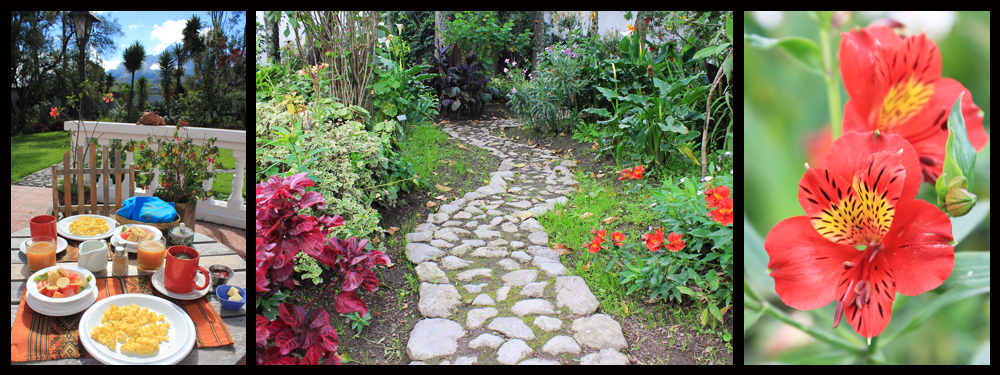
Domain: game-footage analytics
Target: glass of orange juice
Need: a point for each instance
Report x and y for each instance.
(41, 252)
(150, 254)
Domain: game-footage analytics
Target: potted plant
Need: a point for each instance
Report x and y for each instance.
(183, 167)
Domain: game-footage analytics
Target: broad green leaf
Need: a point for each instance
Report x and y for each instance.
(755, 261)
(802, 49)
(912, 320)
(972, 269)
(962, 226)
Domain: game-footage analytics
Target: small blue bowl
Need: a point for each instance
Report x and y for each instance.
(221, 291)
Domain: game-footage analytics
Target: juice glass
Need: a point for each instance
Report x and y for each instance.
(41, 252)
(150, 254)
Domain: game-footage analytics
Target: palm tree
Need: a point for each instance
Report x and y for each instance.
(193, 45)
(134, 56)
(166, 71)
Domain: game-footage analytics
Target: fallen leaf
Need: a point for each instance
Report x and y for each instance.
(609, 219)
(587, 215)
(525, 215)
(562, 249)
(430, 204)
(392, 230)
(441, 197)
(521, 165)
(442, 188)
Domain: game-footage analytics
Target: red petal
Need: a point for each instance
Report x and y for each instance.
(851, 153)
(919, 246)
(928, 131)
(854, 215)
(805, 266)
(871, 318)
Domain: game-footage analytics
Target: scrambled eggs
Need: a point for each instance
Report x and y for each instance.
(129, 325)
(88, 226)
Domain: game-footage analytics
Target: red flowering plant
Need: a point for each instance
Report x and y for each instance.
(282, 233)
(864, 197)
(694, 259)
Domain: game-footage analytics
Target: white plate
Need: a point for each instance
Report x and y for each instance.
(182, 332)
(63, 228)
(117, 240)
(57, 310)
(61, 245)
(158, 281)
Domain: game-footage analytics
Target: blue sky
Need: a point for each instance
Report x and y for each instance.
(155, 30)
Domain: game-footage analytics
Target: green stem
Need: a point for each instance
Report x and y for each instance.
(821, 335)
(832, 84)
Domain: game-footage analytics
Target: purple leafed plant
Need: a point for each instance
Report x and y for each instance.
(294, 331)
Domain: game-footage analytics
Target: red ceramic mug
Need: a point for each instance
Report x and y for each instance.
(181, 274)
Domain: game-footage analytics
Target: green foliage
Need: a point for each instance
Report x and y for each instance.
(703, 270)
(482, 34)
(546, 100)
(310, 269)
(344, 174)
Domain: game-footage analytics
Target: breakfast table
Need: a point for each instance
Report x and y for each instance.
(227, 345)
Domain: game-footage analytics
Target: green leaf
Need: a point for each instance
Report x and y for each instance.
(756, 258)
(802, 49)
(912, 320)
(972, 269)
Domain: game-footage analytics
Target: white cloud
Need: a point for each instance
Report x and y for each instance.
(168, 33)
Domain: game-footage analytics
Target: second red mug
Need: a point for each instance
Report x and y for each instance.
(181, 270)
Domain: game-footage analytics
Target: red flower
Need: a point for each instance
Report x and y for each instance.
(633, 173)
(896, 87)
(864, 197)
(618, 238)
(595, 245)
(54, 112)
(724, 212)
(676, 244)
(715, 195)
(654, 241)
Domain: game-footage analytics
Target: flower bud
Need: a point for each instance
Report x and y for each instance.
(958, 201)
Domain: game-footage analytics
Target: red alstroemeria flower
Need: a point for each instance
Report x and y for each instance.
(654, 241)
(716, 195)
(595, 245)
(618, 238)
(864, 197)
(632, 173)
(896, 87)
(676, 243)
(723, 213)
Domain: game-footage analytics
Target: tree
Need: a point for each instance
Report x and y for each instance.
(134, 56)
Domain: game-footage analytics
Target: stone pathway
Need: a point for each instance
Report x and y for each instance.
(491, 290)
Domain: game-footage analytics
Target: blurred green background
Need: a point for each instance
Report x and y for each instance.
(786, 104)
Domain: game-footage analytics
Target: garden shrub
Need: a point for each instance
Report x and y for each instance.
(344, 176)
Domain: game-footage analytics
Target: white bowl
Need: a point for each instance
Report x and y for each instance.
(32, 285)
